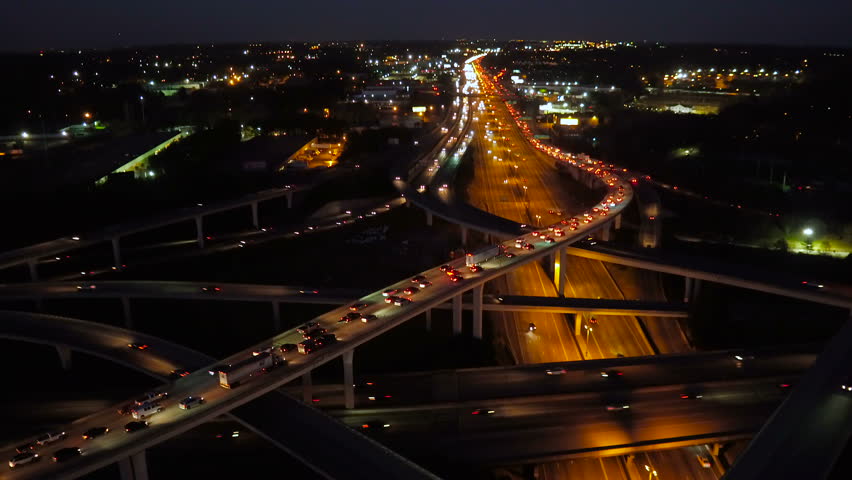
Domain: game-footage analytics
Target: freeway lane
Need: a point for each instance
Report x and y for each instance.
(561, 426)
(516, 181)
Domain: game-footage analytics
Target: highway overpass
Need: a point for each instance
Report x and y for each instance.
(350, 335)
(277, 417)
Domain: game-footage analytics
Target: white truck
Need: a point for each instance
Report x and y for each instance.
(146, 410)
(232, 375)
(482, 255)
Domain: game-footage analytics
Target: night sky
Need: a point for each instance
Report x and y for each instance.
(34, 24)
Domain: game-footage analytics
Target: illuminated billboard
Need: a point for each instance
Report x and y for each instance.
(569, 121)
(418, 109)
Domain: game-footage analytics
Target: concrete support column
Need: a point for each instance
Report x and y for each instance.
(429, 320)
(33, 266)
(276, 316)
(696, 287)
(348, 379)
(715, 448)
(560, 272)
(477, 312)
(254, 215)
(578, 324)
(289, 200)
(464, 236)
(307, 388)
(116, 252)
(457, 314)
(125, 306)
(199, 231)
(125, 469)
(687, 289)
(604, 232)
(617, 223)
(428, 219)
(64, 352)
(138, 466)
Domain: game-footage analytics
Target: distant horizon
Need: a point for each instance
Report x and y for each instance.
(105, 24)
(71, 49)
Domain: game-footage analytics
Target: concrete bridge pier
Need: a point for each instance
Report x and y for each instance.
(199, 231)
(307, 388)
(457, 314)
(348, 379)
(125, 307)
(64, 352)
(134, 467)
(429, 320)
(578, 324)
(477, 312)
(33, 266)
(687, 289)
(617, 222)
(463, 236)
(289, 200)
(428, 219)
(116, 252)
(560, 271)
(276, 316)
(255, 220)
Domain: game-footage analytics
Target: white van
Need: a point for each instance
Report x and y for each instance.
(146, 410)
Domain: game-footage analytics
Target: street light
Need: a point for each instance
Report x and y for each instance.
(588, 334)
(808, 231)
(651, 473)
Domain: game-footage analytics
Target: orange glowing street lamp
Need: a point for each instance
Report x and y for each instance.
(87, 115)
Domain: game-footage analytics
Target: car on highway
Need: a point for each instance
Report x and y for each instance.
(703, 461)
(211, 289)
(549, 240)
(307, 327)
(368, 318)
(374, 425)
(482, 411)
(314, 333)
(390, 292)
(146, 410)
(65, 454)
(127, 408)
(95, 432)
(358, 306)
(178, 373)
(691, 396)
(611, 373)
(534, 234)
(214, 370)
(445, 268)
(456, 278)
(418, 279)
(350, 317)
(23, 459)
(425, 284)
(846, 386)
(529, 246)
(556, 371)
(135, 426)
(27, 447)
(138, 346)
(287, 347)
(411, 290)
(390, 299)
(151, 396)
(617, 407)
(475, 268)
(190, 402)
(86, 287)
(50, 437)
(402, 301)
